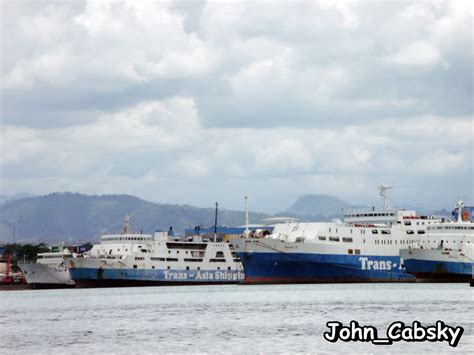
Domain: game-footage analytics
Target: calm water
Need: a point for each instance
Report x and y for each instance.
(232, 319)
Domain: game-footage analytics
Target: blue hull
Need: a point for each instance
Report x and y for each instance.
(446, 271)
(93, 277)
(308, 268)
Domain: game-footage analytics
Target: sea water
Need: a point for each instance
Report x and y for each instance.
(226, 318)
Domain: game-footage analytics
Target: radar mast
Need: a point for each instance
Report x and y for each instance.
(383, 189)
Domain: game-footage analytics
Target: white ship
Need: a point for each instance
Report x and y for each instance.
(364, 247)
(445, 253)
(129, 259)
(48, 271)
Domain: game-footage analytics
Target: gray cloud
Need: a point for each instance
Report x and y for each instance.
(188, 102)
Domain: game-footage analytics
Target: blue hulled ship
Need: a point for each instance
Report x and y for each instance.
(446, 253)
(364, 247)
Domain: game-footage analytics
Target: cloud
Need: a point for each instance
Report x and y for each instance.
(194, 100)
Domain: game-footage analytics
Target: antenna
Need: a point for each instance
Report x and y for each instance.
(246, 216)
(215, 224)
(126, 221)
(383, 192)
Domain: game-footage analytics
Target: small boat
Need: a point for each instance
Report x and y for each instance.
(49, 270)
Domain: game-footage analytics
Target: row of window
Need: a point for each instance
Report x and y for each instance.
(140, 258)
(387, 214)
(183, 245)
(408, 223)
(126, 238)
(419, 231)
(451, 227)
(187, 267)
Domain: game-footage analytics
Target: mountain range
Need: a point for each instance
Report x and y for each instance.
(75, 217)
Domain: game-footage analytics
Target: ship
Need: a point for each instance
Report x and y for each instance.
(446, 253)
(131, 259)
(364, 247)
(49, 271)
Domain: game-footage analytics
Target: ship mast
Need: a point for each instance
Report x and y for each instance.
(126, 220)
(215, 224)
(383, 192)
(246, 216)
(460, 206)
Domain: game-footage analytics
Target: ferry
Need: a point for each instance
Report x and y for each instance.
(446, 253)
(49, 271)
(130, 259)
(365, 247)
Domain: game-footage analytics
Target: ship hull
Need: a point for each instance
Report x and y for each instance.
(44, 276)
(321, 268)
(124, 277)
(437, 265)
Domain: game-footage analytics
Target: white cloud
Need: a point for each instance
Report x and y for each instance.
(316, 96)
(417, 54)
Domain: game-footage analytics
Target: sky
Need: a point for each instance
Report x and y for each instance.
(196, 102)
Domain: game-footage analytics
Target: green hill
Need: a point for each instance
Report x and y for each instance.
(74, 217)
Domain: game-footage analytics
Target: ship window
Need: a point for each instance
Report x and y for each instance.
(421, 231)
(334, 239)
(187, 267)
(199, 268)
(228, 267)
(134, 266)
(357, 251)
(374, 231)
(347, 240)
(177, 251)
(321, 237)
(407, 223)
(169, 267)
(218, 268)
(385, 231)
(349, 251)
(171, 259)
(220, 254)
(153, 266)
(410, 232)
